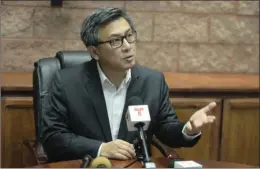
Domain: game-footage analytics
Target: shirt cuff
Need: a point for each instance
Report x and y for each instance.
(99, 150)
(189, 137)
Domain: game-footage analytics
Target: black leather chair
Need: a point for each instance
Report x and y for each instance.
(44, 69)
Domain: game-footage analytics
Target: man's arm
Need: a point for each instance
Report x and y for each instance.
(169, 130)
(58, 141)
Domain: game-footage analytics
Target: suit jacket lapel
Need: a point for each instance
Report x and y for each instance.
(134, 89)
(94, 88)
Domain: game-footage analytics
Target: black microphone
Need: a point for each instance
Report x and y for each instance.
(86, 161)
(138, 148)
(138, 119)
(171, 163)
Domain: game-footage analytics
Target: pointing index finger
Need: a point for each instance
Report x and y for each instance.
(209, 107)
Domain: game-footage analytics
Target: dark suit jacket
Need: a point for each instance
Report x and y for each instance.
(75, 120)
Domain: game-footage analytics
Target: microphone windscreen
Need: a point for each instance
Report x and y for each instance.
(101, 162)
(134, 100)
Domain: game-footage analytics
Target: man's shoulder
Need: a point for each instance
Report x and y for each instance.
(147, 72)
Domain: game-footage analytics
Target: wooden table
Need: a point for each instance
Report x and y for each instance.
(160, 163)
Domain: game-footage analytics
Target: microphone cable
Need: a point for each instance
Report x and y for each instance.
(128, 165)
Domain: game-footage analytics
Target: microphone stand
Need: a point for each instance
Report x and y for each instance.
(147, 161)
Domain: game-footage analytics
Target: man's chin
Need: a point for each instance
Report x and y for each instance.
(129, 65)
(125, 66)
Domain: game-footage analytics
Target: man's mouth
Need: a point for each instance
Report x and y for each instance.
(128, 57)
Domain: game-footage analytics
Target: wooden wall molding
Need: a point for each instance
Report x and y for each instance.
(186, 82)
(17, 101)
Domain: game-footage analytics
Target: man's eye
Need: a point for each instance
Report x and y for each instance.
(129, 35)
(115, 40)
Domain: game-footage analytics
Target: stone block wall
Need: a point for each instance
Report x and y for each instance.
(176, 36)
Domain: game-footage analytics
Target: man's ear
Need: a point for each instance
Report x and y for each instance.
(93, 52)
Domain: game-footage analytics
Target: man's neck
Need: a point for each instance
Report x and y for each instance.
(114, 77)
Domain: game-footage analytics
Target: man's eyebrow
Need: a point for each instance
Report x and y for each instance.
(118, 34)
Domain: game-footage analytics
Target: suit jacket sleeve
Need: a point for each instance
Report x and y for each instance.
(168, 127)
(58, 141)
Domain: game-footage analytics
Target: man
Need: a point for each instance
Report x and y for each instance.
(87, 104)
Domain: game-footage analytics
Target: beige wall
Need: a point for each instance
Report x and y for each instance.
(176, 36)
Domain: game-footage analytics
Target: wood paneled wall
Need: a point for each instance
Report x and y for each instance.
(234, 137)
(240, 134)
(17, 126)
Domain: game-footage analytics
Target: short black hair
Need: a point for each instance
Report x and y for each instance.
(100, 16)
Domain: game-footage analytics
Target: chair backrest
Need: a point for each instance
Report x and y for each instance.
(44, 70)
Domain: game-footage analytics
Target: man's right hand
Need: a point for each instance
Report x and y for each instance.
(118, 149)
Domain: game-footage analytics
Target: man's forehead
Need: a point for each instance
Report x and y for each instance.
(116, 27)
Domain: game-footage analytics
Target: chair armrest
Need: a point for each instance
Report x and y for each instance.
(37, 150)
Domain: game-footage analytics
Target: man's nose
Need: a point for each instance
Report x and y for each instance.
(126, 46)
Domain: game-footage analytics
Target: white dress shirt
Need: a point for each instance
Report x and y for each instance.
(115, 102)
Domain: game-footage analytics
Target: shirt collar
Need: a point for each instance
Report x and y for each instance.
(104, 78)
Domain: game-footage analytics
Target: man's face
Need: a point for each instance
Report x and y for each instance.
(120, 58)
